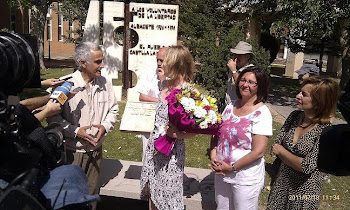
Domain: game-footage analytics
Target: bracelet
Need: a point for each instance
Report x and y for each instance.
(233, 167)
(234, 72)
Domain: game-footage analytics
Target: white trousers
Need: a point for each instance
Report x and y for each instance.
(236, 197)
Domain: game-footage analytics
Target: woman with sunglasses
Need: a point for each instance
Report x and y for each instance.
(237, 152)
(298, 183)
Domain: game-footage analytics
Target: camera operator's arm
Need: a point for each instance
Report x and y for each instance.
(50, 109)
(36, 102)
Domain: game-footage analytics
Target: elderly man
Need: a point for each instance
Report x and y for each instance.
(242, 54)
(150, 88)
(89, 115)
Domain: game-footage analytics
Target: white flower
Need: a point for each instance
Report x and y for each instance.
(203, 124)
(199, 112)
(212, 118)
(188, 104)
(205, 101)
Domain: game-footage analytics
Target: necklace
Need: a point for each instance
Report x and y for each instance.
(305, 126)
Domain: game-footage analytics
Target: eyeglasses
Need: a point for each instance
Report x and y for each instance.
(250, 83)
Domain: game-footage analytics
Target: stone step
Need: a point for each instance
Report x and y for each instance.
(121, 178)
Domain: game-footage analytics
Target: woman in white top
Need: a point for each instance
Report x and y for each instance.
(237, 152)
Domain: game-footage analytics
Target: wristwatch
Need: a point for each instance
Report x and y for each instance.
(233, 167)
(234, 72)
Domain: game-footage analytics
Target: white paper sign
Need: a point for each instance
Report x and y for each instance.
(138, 117)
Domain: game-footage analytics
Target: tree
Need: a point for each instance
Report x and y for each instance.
(38, 19)
(318, 24)
(74, 10)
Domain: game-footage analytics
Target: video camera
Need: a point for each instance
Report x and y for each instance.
(28, 150)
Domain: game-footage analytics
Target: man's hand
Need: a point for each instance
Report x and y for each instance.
(232, 65)
(83, 135)
(101, 132)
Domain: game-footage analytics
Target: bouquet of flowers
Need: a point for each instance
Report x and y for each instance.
(191, 112)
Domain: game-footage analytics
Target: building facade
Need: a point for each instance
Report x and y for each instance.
(56, 28)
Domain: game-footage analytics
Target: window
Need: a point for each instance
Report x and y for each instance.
(49, 24)
(71, 29)
(60, 23)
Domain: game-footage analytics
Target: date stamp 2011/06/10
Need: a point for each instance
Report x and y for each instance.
(313, 197)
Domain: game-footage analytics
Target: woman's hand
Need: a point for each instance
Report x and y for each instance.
(173, 132)
(221, 167)
(276, 149)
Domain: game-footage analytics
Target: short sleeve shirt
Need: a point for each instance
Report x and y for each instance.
(235, 141)
(150, 86)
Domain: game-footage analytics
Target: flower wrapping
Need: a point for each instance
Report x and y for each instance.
(191, 112)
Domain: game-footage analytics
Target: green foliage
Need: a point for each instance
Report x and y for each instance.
(213, 73)
(213, 54)
(310, 26)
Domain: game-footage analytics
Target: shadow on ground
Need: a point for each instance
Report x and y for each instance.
(108, 203)
(282, 91)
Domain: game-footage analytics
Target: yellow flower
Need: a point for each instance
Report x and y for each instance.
(211, 100)
(218, 117)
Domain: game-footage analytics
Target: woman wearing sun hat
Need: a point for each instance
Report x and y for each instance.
(242, 54)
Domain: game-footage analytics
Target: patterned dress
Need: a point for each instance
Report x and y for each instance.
(293, 189)
(163, 174)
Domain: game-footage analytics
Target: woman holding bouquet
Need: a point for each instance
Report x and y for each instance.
(237, 153)
(162, 175)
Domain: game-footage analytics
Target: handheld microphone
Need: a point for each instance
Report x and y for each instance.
(60, 94)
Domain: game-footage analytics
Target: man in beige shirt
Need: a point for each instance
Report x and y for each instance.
(89, 115)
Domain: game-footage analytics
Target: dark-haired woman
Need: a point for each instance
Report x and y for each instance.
(237, 153)
(298, 183)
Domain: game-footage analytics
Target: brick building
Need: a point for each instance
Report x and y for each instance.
(18, 20)
(56, 29)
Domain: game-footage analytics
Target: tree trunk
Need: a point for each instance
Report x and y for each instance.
(345, 67)
(38, 20)
(345, 46)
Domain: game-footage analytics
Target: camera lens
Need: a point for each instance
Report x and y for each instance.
(18, 62)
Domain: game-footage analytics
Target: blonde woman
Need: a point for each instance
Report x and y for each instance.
(162, 176)
(298, 183)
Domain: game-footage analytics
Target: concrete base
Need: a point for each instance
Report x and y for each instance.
(121, 178)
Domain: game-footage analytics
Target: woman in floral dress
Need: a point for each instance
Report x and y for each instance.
(162, 176)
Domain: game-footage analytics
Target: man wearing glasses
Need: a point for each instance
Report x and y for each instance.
(242, 54)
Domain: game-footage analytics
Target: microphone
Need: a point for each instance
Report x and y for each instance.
(60, 94)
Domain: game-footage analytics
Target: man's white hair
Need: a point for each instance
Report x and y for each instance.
(83, 52)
